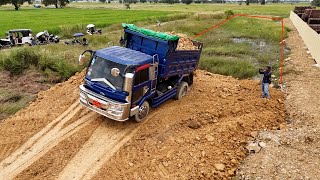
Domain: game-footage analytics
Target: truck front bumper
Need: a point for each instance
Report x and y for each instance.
(107, 107)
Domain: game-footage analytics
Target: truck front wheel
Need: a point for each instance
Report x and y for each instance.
(181, 90)
(143, 112)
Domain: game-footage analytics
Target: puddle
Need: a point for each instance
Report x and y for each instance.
(260, 45)
(257, 44)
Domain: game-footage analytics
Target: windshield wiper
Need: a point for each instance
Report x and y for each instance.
(105, 81)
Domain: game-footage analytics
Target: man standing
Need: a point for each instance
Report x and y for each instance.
(266, 81)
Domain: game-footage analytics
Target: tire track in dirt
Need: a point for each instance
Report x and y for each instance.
(107, 139)
(33, 139)
(43, 141)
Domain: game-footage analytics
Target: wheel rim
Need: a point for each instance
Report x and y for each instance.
(143, 110)
(184, 91)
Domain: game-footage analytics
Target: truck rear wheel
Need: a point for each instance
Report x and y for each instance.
(181, 90)
(143, 112)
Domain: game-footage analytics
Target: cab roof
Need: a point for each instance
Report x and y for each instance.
(19, 30)
(124, 56)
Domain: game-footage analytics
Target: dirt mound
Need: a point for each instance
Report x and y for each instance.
(202, 135)
(184, 43)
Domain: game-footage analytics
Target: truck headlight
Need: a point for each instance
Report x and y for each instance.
(115, 110)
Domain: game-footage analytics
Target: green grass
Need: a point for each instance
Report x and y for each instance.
(260, 46)
(11, 102)
(70, 20)
(20, 59)
(236, 67)
(268, 9)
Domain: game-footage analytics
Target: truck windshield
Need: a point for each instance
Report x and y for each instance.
(100, 71)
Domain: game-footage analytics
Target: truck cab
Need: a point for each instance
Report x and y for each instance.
(117, 79)
(124, 82)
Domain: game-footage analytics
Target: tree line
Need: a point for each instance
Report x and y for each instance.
(18, 3)
(62, 3)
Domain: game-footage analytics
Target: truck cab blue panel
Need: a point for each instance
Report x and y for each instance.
(124, 56)
(106, 91)
(160, 99)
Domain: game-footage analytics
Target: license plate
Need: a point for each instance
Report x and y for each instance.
(96, 104)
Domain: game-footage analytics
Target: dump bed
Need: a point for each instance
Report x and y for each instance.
(171, 61)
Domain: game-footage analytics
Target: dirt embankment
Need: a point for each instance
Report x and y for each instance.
(202, 135)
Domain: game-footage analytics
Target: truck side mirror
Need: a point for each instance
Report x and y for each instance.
(82, 56)
(81, 59)
(128, 82)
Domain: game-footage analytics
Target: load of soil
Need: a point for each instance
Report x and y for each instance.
(184, 43)
(203, 135)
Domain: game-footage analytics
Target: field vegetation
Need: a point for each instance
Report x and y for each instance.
(70, 20)
(272, 9)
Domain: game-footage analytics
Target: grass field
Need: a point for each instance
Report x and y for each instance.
(77, 15)
(268, 9)
(70, 19)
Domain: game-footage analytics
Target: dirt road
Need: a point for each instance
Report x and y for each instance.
(292, 152)
(202, 135)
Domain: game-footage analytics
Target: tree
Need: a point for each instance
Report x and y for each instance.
(186, 1)
(247, 2)
(168, 1)
(315, 3)
(57, 3)
(263, 2)
(16, 3)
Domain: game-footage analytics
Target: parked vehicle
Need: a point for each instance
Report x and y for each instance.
(124, 82)
(92, 30)
(54, 38)
(77, 40)
(21, 37)
(41, 38)
(5, 43)
(46, 38)
(37, 6)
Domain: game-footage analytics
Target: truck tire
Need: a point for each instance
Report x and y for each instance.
(181, 90)
(143, 112)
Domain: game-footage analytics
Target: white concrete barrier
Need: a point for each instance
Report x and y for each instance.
(310, 37)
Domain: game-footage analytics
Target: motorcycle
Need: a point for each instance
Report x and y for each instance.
(92, 30)
(46, 38)
(54, 39)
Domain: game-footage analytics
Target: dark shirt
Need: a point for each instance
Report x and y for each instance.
(266, 76)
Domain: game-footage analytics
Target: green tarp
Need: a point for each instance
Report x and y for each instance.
(148, 32)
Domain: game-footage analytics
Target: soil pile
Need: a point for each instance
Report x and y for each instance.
(202, 135)
(184, 43)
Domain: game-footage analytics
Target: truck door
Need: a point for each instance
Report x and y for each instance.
(141, 85)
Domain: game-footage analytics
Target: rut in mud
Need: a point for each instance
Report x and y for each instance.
(57, 138)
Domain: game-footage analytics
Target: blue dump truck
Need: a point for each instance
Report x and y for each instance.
(124, 82)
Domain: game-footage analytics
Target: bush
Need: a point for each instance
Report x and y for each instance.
(229, 13)
(65, 69)
(19, 60)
